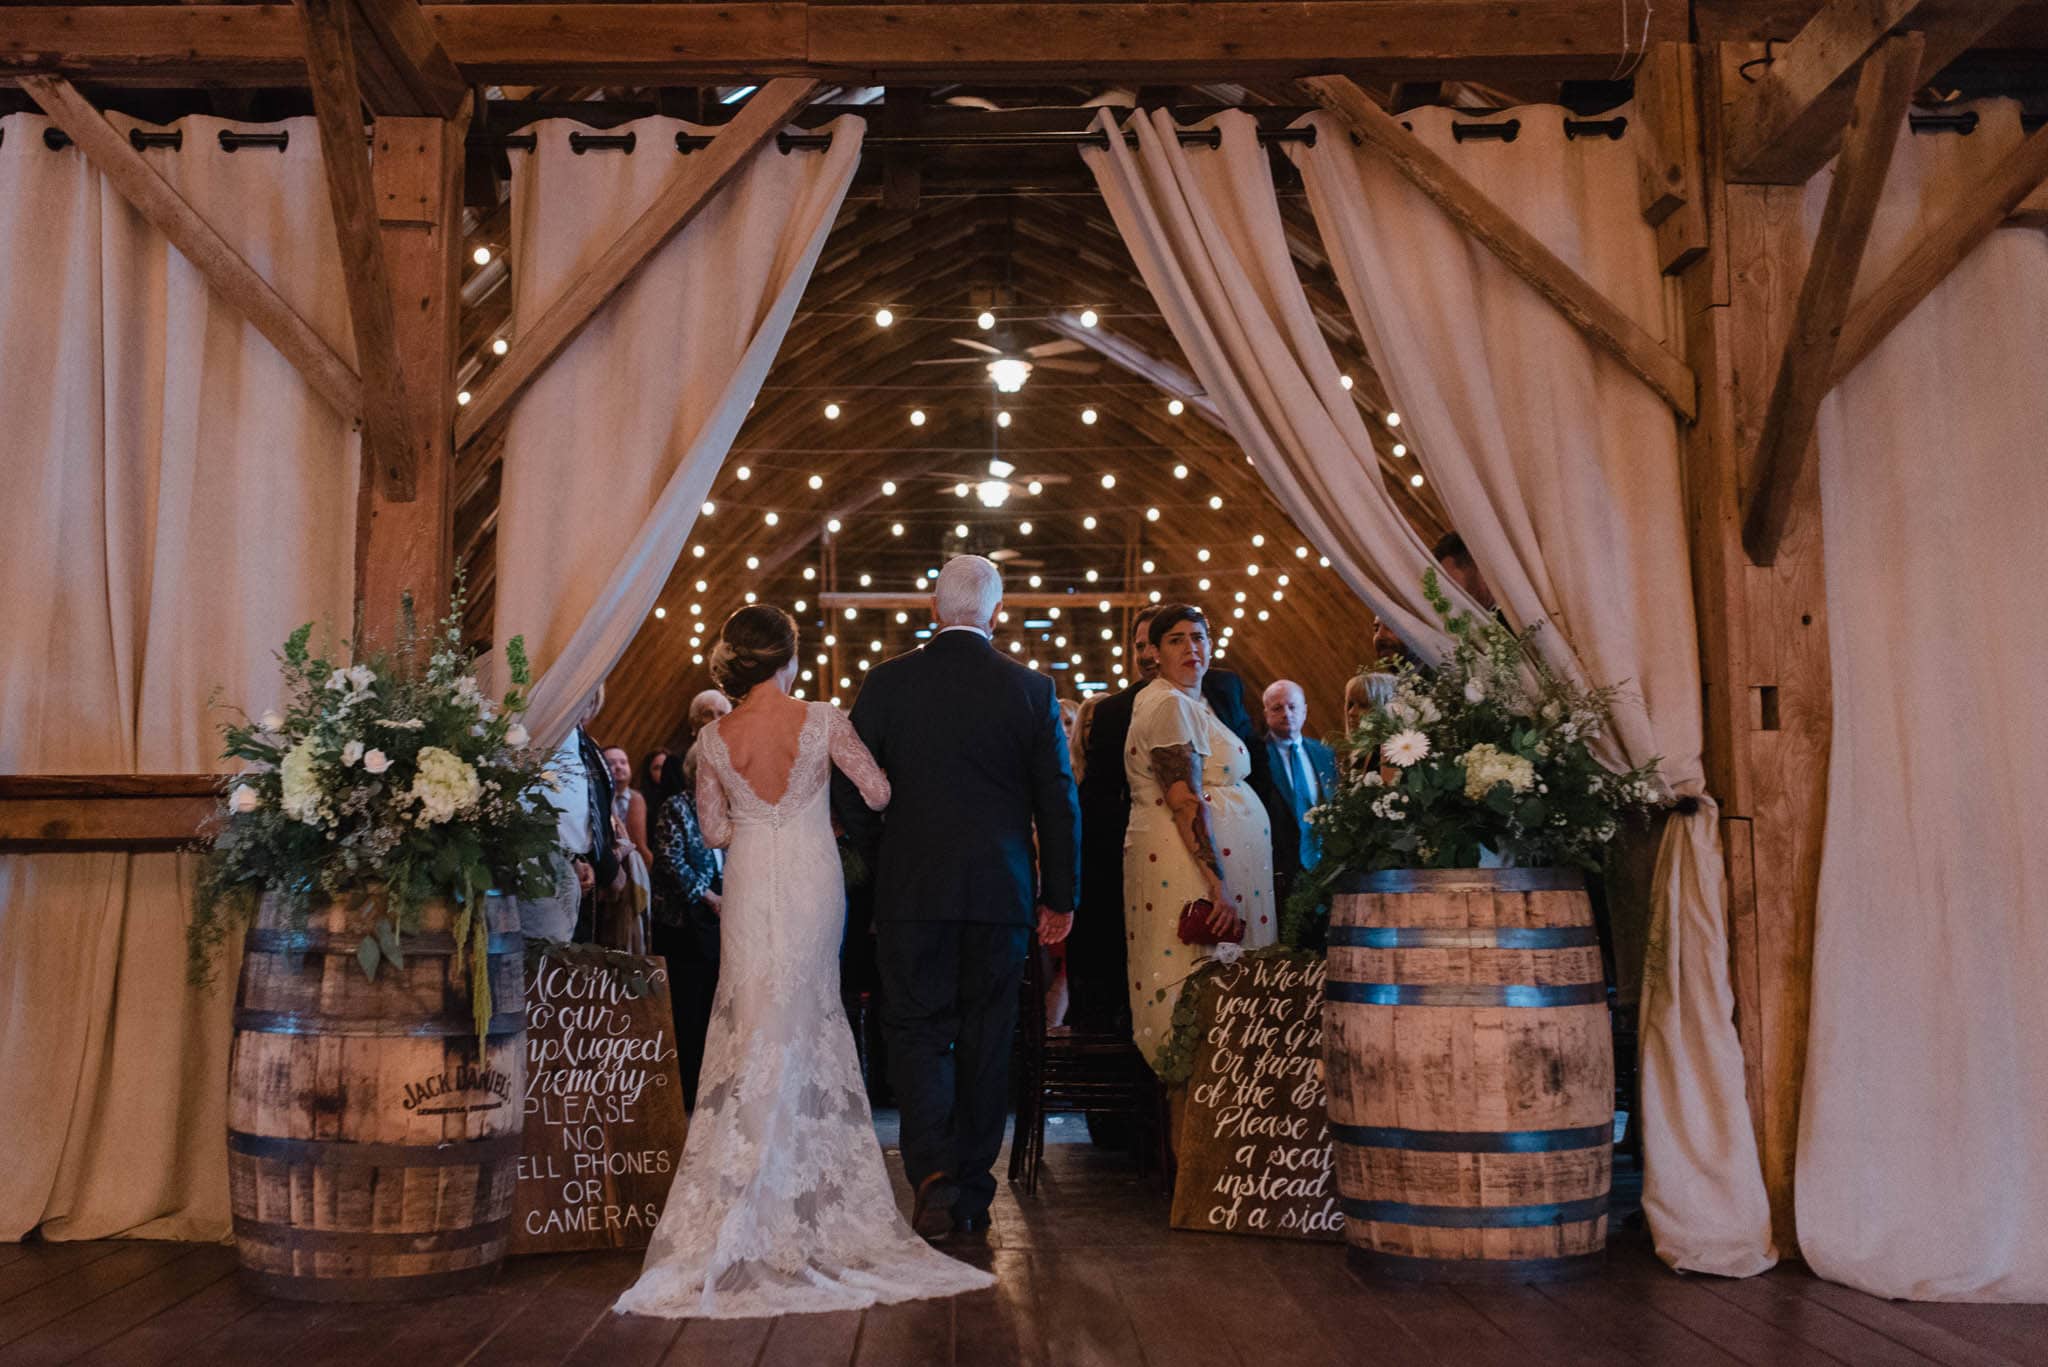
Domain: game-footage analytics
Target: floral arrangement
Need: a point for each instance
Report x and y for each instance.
(377, 774)
(1488, 753)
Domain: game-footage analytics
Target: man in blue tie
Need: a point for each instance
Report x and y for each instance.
(1303, 772)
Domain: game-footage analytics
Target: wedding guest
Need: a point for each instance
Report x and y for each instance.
(621, 919)
(1450, 552)
(629, 804)
(1197, 830)
(1388, 645)
(1362, 693)
(688, 887)
(1098, 999)
(653, 765)
(1303, 770)
(581, 795)
(705, 708)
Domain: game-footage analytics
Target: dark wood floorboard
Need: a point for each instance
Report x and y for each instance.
(1088, 1274)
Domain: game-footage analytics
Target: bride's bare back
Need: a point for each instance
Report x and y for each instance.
(762, 736)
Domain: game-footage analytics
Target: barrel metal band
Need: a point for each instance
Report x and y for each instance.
(341, 1153)
(379, 1288)
(1477, 1217)
(270, 940)
(1465, 994)
(1473, 1141)
(1462, 880)
(388, 1243)
(1463, 937)
(311, 1023)
(1403, 1267)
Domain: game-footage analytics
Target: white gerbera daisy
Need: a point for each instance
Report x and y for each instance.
(1404, 748)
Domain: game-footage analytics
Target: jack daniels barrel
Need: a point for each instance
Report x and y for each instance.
(372, 1150)
(1470, 1074)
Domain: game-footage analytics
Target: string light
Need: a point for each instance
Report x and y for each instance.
(1324, 561)
(753, 562)
(1016, 647)
(709, 508)
(1088, 523)
(960, 530)
(1102, 606)
(1147, 567)
(888, 488)
(917, 417)
(1393, 419)
(660, 613)
(1176, 407)
(1024, 528)
(1091, 576)
(896, 529)
(462, 397)
(1202, 554)
(1109, 481)
(771, 518)
(1035, 488)
(696, 659)
(800, 605)
(1180, 472)
(745, 472)
(500, 346)
(1216, 501)
(1400, 450)
(697, 551)
(1002, 419)
(482, 256)
(852, 613)
(1415, 480)
(1035, 581)
(1281, 581)
(1252, 570)
(831, 412)
(833, 525)
(960, 491)
(1202, 584)
(986, 322)
(810, 573)
(883, 318)
(750, 597)
(1258, 538)
(816, 481)
(1088, 416)
(1155, 595)
(1089, 318)
(1344, 380)
(1301, 552)
(1151, 514)
(703, 586)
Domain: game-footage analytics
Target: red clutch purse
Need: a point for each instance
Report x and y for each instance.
(1194, 925)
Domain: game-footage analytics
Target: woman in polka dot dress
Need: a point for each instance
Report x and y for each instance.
(1197, 828)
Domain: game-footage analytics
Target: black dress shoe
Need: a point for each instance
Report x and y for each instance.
(976, 1223)
(930, 1216)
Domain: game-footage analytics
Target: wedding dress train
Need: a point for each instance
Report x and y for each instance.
(781, 1204)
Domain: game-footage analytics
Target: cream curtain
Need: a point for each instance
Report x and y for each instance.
(609, 455)
(1923, 1147)
(1204, 227)
(178, 500)
(1560, 469)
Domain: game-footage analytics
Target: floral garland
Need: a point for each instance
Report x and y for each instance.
(1174, 1060)
(379, 776)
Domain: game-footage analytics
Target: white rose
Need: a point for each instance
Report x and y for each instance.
(376, 761)
(245, 798)
(1475, 691)
(1227, 952)
(360, 677)
(338, 680)
(270, 721)
(351, 752)
(516, 736)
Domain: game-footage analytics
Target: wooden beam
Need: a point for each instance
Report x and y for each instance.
(223, 267)
(1806, 368)
(405, 546)
(403, 67)
(71, 813)
(693, 44)
(338, 112)
(1668, 154)
(697, 178)
(1980, 210)
(891, 602)
(1612, 330)
(1790, 120)
(2032, 211)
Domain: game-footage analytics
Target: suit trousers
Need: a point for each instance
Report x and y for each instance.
(949, 1013)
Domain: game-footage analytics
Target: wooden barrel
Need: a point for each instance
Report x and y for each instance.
(1470, 1074)
(371, 1153)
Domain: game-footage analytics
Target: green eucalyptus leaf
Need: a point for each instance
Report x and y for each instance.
(368, 955)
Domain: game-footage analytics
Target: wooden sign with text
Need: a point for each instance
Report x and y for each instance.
(1255, 1141)
(604, 1104)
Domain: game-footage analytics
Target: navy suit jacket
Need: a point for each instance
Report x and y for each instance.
(1280, 803)
(976, 758)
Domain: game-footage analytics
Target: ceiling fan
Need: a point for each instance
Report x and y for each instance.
(1009, 367)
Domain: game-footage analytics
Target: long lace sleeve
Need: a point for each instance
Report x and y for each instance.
(713, 819)
(857, 763)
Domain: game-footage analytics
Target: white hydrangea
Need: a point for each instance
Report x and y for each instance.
(301, 799)
(444, 786)
(1486, 764)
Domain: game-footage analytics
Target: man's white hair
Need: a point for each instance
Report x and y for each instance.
(705, 702)
(970, 587)
(1279, 684)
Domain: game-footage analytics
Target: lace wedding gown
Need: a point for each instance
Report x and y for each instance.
(781, 1204)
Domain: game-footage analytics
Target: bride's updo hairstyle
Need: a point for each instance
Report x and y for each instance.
(756, 642)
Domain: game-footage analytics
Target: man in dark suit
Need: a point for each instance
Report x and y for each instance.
(1302, 772)
(976, 758)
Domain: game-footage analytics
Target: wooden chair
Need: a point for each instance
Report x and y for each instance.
(1081, 1072)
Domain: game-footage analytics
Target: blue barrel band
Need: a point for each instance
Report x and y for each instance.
(1462, 880)
(1465, 994)
(313, 1023)
(1477, 1217)
(341, 1153)
(264, 940)
(1463, 937)
(1473, 1141)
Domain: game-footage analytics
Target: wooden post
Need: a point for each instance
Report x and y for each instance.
(405, 546)
(1763, 629)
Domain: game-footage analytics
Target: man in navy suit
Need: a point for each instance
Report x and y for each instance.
(1301, 772)
(976, 759)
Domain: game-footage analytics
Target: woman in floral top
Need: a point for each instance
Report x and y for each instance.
(687, 882)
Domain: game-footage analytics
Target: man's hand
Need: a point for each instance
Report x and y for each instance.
(1053, 925)
(715, 901)
(586, 877)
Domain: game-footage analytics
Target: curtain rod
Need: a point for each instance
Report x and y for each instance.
(789, 142)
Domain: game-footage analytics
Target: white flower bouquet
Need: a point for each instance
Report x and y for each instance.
(1490, 751)
(380, 775)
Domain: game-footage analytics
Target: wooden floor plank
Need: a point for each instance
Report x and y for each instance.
(1729, 1327)
(445, 1331)
(1999, 1328)
(912, 1334)
(811, 1340)
(1542, 1327)
(1901, 1325)
(625, 1341)
(1179, 1301)
(1623, 1317)
(264, 1337)
(1775, 1299)
(41, 1263)
(724, 1343)
(11, 1252)
(999, 1326)
(1084, 1322)
(168, 1337)
(87, 1283)
(1349, 1317)
(72, 1336)
(560, 1316)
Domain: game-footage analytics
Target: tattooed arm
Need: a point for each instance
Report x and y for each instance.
(1179, 772)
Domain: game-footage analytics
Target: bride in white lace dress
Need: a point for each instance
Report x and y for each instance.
(781, 1204)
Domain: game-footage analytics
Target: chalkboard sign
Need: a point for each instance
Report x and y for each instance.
(604, 1104)
(1254, 1144)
